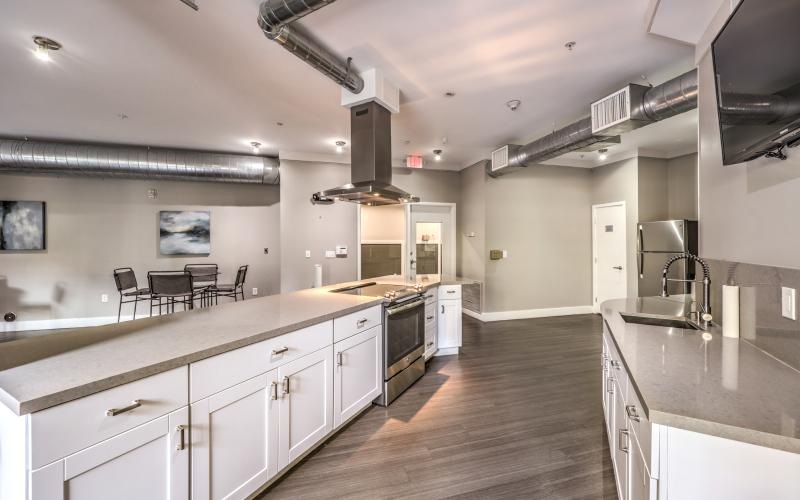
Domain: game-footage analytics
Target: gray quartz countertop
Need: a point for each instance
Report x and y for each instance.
(47, 370)
(706, 383)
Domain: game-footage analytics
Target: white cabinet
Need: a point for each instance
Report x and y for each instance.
(150, 461)
(431, 320)
(305, 412)
(449, 326)
(621, 443)
(358, 376)
(235, 439)
(638, 475)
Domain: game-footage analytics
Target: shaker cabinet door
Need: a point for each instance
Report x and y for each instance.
(358, 375)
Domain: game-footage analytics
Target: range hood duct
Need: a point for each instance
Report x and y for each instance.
(370, 161)
(134, 162)
(276, 19)
(647, 105)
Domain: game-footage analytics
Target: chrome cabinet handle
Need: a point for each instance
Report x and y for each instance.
(430, 344)
(181, 429)
(429, 296)
(429, 318)
(620, 433)
(113, 412)
(610, 385)
(615, 364)
(632, 413)
(274, 390)
(442, 309)
(361, 322)
(339, 361)
(618, 268)
(282, 350)
(285, 385)
(450, 291)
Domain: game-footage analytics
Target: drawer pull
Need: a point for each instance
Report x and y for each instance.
(429, 296)
(285, 385)
(610, 385)
(430, 344)
(451, 291)
(181, 429)
(339, 361)
(282, 350)
(615, 364)
(429, 318)
(360, 323)
(113, 412)
(620, 433)
(274, 390)
(632, 414)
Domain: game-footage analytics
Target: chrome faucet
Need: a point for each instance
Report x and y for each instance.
(704, 310)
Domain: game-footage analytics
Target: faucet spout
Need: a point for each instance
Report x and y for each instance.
(706, 306)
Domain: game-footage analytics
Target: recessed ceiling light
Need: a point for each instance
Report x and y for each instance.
(603, 155)
(514, 104)
(450, 93)
(340, 146)
(570, 45)
(280, 124)
(43, 48)
(256, 146)
(437, 154)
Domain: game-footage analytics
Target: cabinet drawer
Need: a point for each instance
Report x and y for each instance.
(448, 292)
(357, 322)
(70, 427)
(430, 316)
(431, 296)
(217, 373)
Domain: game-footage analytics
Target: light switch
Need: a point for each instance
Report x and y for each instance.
(308, 254)
(330, 254)
(255, 291)
(104, 298)
(505, 254)
(788, 303)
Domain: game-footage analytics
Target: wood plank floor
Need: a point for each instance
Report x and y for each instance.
(516, 415)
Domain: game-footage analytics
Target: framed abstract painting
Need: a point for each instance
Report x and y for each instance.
(22, 225)
(185, 233)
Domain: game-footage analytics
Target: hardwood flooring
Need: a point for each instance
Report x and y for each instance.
(516, 415)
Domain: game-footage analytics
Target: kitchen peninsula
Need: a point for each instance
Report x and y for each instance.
(80, 407)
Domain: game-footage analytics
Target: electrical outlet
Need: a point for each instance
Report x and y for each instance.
(104, 298)
(505, 254)
(255, 291)
(308, 254)
(788, 303)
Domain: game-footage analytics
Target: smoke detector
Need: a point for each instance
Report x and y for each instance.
(570, 45)
(514, 104)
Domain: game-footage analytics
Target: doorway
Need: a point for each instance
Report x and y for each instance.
(431, 244)
(609, 253)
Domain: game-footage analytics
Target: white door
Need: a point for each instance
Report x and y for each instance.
(150, 461)
(358, 378)
(305, 413)
(609, 239)
(449, 324)
(430, 240)
(235, 440)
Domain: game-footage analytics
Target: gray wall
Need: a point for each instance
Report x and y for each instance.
(653, 189)
(682, 190)
(620, 182)
(748, 212)
(319, 228)
(472, 219)
(541, 215)
(96, 225)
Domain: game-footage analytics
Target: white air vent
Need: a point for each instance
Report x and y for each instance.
(499, 158)
(611, 110)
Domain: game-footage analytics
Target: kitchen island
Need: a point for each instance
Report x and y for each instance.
(246, 389)
(691, 414)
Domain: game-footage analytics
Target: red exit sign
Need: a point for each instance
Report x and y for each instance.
(414, 161)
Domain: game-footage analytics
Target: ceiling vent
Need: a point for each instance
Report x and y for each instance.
(619, 112)
(501, 157)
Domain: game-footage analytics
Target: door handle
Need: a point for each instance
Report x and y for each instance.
(282, 350)
(618, 268)
(360, 323)
(285, 385)
(339, 361)
(632, 413)
(113, 412)
(442, 309)
(274, 390)
(181, 429)
(620, 433)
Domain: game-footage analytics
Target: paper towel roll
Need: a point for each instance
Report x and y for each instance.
(317, 275)
(730, 311)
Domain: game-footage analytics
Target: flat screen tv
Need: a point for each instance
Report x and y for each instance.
(757, 65)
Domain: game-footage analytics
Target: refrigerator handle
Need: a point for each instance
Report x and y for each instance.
(639, 254)
(640, 240)
(640, 257)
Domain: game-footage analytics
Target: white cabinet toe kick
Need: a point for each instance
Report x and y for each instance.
(224, 427)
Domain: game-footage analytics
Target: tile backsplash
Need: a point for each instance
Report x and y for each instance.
(760, 310)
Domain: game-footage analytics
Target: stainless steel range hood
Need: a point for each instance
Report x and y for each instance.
(370, 161)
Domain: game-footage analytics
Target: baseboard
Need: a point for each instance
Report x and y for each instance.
(59, 323)
(487, 317)
(446, 351)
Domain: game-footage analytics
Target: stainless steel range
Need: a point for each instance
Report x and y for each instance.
(403, 334)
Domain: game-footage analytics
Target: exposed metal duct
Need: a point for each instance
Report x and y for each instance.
(134, 162)
(275, 18)
(647, 106)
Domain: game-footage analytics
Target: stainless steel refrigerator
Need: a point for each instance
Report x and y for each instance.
(657, 242)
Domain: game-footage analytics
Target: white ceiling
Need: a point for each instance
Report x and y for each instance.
(210, 80)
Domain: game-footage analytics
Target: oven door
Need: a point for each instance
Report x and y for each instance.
(405, 335)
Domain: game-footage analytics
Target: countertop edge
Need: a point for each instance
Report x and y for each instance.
(21, 408)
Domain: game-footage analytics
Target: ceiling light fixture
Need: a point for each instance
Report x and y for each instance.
(449, 93)
(256, 147)
(43, 47)
(603, 154)
(514, 104)
(570, 45)
(340, 146)
(437, 154)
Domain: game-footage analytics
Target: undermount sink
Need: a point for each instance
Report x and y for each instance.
(665, 322)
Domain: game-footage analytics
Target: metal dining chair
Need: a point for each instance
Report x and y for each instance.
(128, 288)
(168, 288)
(204, 277)
(236, 289)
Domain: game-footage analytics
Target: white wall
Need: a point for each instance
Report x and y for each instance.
(96, 225)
